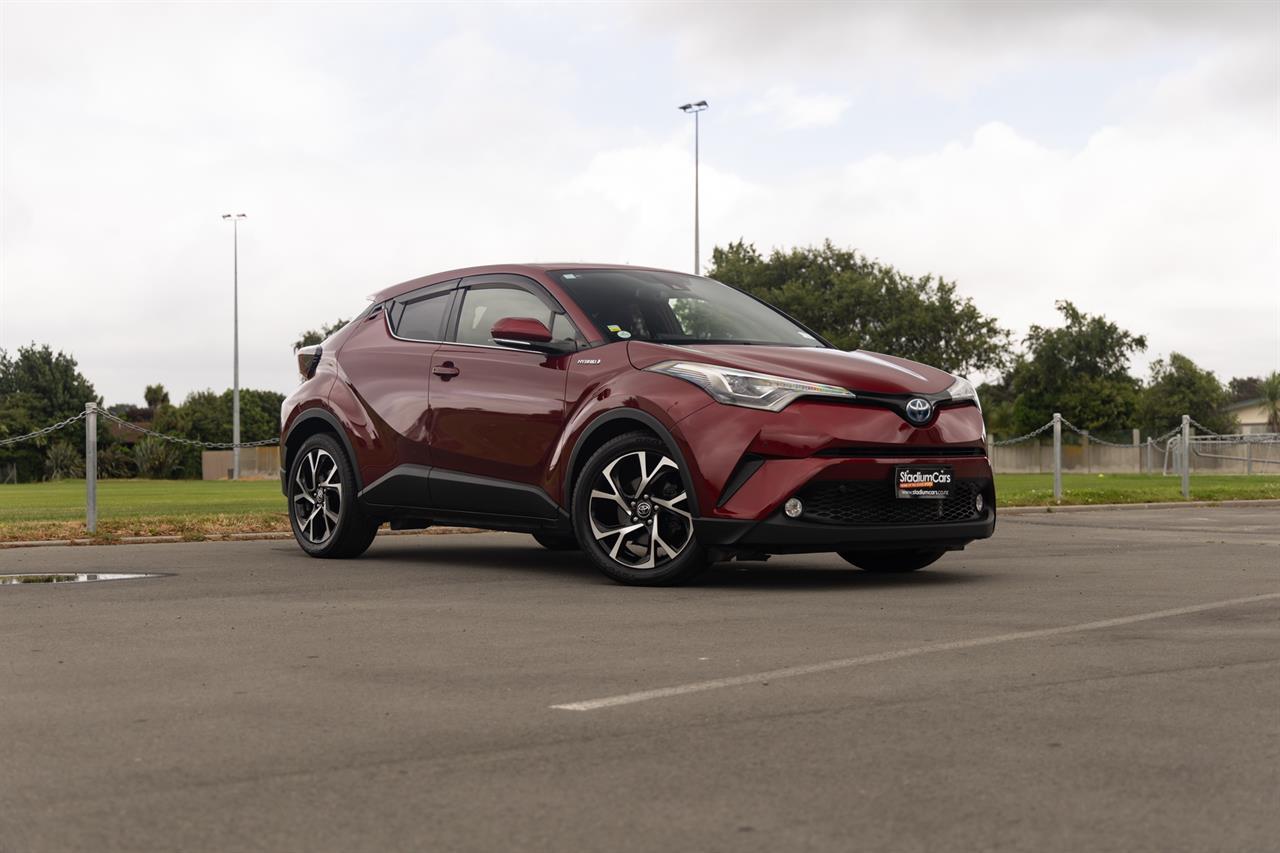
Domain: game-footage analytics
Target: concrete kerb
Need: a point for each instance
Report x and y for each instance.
(436, 531)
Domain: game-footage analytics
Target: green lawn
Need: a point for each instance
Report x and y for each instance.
(189, 508)
(1037, 489)
(64, 499)
(195, 508)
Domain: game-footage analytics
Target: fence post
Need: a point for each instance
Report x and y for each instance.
(1248, 456)
(1186, 456)
(1150, 461)
(1088, 457)
(1137, 447)
(1057, 457)
(91, 466)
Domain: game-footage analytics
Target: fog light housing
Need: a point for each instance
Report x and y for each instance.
(793, 508)
(978, 503)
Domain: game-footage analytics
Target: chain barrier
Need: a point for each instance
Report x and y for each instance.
(1093, 439)
(1195, 423)
(208, 445)
(5, 442)
(1029, 435)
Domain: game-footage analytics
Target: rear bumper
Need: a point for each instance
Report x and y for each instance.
(778, 534)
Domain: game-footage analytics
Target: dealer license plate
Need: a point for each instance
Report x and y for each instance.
(922, 481)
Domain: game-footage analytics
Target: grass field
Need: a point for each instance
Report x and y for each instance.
(196, 508)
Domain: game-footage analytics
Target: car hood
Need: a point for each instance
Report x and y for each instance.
(858, 370)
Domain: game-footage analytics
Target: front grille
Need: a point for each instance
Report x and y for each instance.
(856, 502)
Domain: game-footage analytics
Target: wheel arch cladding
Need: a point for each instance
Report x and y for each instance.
(313, 422)
(620, 422)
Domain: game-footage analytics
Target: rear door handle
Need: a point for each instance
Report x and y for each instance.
(445, 371)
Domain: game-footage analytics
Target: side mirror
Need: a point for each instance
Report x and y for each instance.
(525, 333)
(520, 330)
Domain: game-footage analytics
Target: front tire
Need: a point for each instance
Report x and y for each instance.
(326, 519)
(633, 514)
(892, 562)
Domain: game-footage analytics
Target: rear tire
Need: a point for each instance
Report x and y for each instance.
(633, 514)
(326, 518)
(892, 562)
(556, 541)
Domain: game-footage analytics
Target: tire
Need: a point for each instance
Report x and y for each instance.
(892, 562)
(631, 507)
(556, 541)
(314, 491)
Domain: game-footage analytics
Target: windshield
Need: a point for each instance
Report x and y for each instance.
(670, 308)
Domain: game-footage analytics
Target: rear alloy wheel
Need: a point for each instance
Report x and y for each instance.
(890, 562)
(633, 515)
(323, 512)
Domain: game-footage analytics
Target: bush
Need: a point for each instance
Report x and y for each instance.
(63, 462)
(117, 463)
(156, 458)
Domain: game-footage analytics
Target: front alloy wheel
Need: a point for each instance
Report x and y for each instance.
(632, 509)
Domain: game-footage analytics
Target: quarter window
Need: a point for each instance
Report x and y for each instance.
(423, 319)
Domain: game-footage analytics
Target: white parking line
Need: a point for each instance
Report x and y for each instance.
(846, 663)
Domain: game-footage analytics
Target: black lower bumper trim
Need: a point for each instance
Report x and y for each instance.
(782, 535)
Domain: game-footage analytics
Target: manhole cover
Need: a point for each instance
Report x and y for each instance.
(72, 577)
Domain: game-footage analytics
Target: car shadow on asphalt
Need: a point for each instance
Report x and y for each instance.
(765, 577)
(752, 575)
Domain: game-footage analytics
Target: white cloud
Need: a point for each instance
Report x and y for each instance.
(792, 111)
(371, 144)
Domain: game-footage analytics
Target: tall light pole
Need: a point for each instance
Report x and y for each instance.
(235, 358)
(695, 108)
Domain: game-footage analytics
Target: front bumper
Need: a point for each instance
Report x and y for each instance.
(778, 534)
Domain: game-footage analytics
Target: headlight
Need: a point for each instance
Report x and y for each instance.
(962, 389)
(744, 388)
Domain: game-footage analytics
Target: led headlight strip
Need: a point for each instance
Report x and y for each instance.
(745, 388)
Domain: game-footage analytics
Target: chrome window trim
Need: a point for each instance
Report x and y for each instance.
(387, 319)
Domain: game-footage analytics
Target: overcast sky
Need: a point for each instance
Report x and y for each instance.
(1124, 157)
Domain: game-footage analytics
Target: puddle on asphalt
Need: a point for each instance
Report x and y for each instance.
(72, 577)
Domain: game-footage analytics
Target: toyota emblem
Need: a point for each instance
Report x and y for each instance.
(919, 410)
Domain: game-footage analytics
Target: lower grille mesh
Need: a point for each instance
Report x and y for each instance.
(872, 502)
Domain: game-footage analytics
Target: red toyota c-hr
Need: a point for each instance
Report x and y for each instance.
(658, 421)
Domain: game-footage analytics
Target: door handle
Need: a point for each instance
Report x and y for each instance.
(445, 371)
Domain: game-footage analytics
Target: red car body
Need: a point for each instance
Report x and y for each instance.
(494, 436)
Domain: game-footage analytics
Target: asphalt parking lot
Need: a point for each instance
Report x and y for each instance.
(1084, 681)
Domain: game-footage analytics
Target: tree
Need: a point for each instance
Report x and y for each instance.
(206, 416)
(857, 303)
(39, 387)
(1178, 387)
(1269, 390)
(156, 396)
(1080, 369)
(312, 337)
(54, 386)
(1244, 388)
